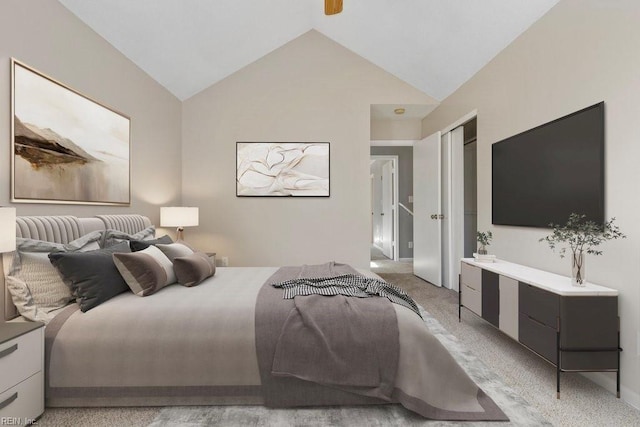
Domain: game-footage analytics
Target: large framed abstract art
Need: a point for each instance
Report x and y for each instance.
(65, 147)
(282, 169)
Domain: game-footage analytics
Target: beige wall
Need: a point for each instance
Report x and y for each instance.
(580, 53)
(45, 35)
(396, 129)
(311, 89)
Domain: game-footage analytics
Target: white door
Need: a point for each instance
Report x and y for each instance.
(372, 202)
(456, 196)
(427, 237)
(387, 209)
(452, 206)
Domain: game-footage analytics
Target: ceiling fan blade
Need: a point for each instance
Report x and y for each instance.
(331, 7)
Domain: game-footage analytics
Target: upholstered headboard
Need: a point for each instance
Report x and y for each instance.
(64, 229)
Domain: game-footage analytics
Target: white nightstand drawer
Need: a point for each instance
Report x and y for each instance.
(20, 358)
(23, 403)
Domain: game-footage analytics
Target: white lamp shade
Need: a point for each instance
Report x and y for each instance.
(178, 217)
(7, 229)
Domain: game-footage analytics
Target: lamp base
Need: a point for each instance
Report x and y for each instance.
(179, 233)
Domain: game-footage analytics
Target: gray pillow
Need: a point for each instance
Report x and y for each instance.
(112, 237)
(145, 271)
(193, 269)
(93, 276)
(36, 288)
(173, 250)
(138, 245)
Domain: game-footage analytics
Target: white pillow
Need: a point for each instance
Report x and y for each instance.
(35, 285)
(174, 250)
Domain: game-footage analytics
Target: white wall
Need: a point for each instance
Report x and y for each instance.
(311, 89)
(45, 35)
(579, 53)
(395, 129)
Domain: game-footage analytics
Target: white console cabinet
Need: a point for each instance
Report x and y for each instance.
(577, 329)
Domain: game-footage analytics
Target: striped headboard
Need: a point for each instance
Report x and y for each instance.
(64, 229)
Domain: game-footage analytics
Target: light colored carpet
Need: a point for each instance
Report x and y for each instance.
(376, 254)
(382, 264)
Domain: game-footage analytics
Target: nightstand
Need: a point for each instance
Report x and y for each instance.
(21, 372)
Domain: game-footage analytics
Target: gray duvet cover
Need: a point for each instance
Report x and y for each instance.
(198, 346)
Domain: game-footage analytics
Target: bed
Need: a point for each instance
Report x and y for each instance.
(214, 344)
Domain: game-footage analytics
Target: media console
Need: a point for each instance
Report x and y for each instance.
(577, 329)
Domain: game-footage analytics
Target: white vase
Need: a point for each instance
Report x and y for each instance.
(578, 277)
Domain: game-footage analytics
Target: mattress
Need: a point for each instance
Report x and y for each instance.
(197, 346)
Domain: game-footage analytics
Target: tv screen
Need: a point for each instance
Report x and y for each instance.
(544, 174)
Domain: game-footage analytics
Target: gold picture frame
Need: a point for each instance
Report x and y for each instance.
(66, 148)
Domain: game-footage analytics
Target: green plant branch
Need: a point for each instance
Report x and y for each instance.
(581, 236)
(484, 238)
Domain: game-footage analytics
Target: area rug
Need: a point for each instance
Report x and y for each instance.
(517, 409)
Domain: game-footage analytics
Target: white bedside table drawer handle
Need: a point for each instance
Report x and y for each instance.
(7, 402)
(8, 351)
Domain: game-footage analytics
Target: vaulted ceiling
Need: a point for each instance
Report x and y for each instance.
(188, 45)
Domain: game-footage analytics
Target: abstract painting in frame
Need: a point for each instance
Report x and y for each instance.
(65, 147)
(282, 169)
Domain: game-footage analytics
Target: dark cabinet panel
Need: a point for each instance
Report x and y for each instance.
(542, 305)
(588, 323)
(538, 337)
(491, 297)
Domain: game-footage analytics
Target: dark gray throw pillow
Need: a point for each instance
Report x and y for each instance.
(92, 276)
(192, 269)
(139, 245)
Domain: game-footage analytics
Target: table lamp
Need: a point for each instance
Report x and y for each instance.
(179, 217)
(7, 229)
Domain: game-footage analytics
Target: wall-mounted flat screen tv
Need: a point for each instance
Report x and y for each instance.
(544, 174)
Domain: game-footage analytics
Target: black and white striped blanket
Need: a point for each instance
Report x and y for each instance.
(352, 285)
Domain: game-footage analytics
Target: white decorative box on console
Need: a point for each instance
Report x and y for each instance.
(577, 329)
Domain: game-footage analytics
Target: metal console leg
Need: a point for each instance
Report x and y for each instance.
(558, 360)
(618, 371)
(459, 298)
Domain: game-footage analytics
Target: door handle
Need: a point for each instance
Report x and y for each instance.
(382, 214)
(434, 216)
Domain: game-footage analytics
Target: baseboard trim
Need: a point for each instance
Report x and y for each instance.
(405, 259)
(609, 384)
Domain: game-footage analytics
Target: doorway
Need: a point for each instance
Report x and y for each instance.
(470, 188)
(384, 207)
(445, 222)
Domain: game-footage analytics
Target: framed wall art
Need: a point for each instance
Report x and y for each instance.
(282, 169)
(65, 147)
